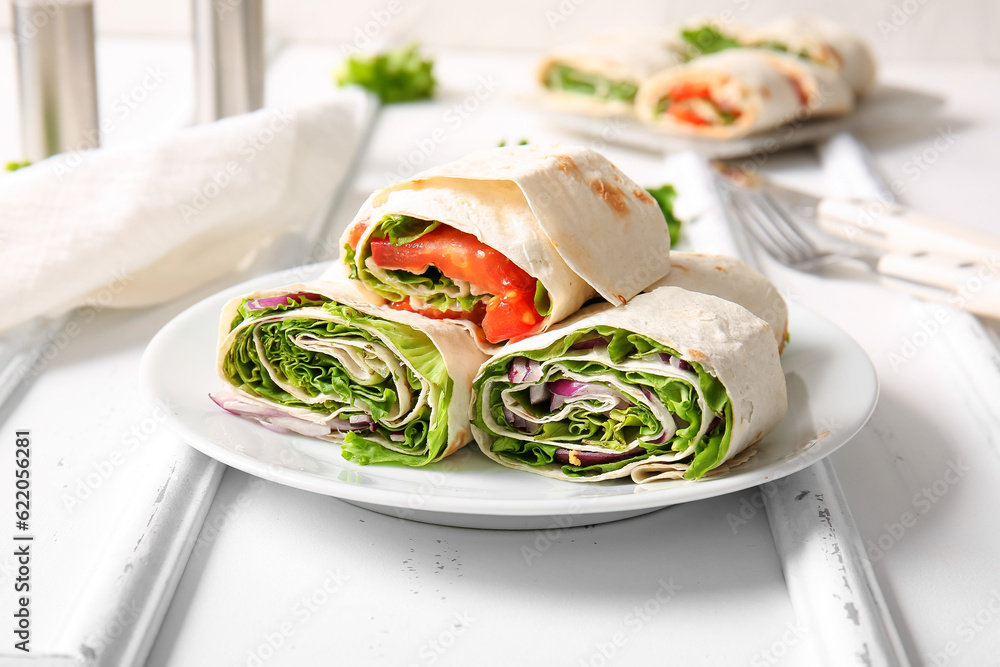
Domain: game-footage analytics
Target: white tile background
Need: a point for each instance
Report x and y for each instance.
(900, 30)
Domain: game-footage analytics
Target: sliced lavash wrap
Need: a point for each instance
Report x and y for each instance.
(824, 42)
(601, 75)
(564, 214)
(746, 94)
(674, 384)
(733, 280)
(317, 359)
(822, 91)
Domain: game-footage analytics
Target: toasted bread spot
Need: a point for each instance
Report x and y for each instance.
(621, 298)
(644, 196)
(722, 268)
(765, 93)
(697, 355)
(612, 196)
(567, 166)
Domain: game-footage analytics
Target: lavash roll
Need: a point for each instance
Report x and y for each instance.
(626, 57)
(824, 92)
(318, 359)
(824, 42)
(745, 80)
(564, 214)
(733, 280)
(712, 342)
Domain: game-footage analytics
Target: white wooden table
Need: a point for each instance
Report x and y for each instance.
(280, 576)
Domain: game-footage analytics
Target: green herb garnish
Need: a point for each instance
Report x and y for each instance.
(398, 75)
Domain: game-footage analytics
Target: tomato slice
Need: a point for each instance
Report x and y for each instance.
(799, 90)
(460, 256)
(688, 91)
(686, 115)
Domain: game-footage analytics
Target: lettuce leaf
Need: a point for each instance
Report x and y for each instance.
(424, 438)
(706, 40)
(402, 229)
(665, 196)
(398, 75)
(571, 80)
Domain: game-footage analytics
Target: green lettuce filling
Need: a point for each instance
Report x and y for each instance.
(665, 196)
(314, 373)
(292, 301)
(706, 40)
(571, 80)
(620, 429)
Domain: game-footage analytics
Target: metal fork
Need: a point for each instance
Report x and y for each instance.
(778, 233)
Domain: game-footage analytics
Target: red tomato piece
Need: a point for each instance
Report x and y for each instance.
(686, 115)
(688, 91)
(461, 256)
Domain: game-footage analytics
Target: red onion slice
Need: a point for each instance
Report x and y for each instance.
(523, 369)
(589, 344)
(538, 393)
(520, 423)
(681, 364)
(563, 387)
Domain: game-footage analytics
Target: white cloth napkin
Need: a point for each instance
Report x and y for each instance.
(140, 224)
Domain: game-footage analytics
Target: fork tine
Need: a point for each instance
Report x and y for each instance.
(801, 248)
(767, 224)
(796, 232)
(740, 211)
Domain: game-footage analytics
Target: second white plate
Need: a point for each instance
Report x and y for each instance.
(885, 104)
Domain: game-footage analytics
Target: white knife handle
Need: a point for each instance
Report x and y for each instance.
(894, 227)
(973, 286)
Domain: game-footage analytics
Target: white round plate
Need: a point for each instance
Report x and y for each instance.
(885, 104)
(832, 389)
